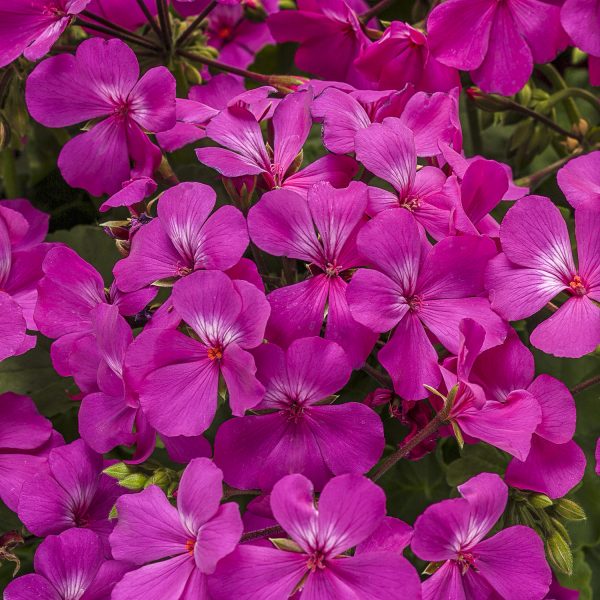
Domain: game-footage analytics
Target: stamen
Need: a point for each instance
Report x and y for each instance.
(577, 287)
(215, 353)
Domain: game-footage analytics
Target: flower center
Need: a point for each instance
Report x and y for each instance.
(414, 303)
(332, 270)
(316, 561)
(189, 546)
(215, 353)
(54, 11)
(295, 411)
(465, 561)
(224, 32)
(576, 286)
(411, 204)
(183, 270)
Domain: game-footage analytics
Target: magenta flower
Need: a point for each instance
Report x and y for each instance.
(245, 152)
(453, 531)
(25, 440)
(432, 118)
(69, 566)
(68, 291)
(21, 257)
(299, 434)
(131, 192)
(579, 180)
(102, 82)
(320, 230)
(31, 28)
(555, 463)
(537, 264)
(330, 36)
(228, 318)
(388, 150)
(37, 223)
(350, 509)
(580, 20)
(498, 42)
(185, 237)
(415, 285)
(401, 56)
(74, 493)
(507, 421)
(193, 537)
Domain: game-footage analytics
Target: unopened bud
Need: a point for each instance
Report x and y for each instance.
(487, 102)
(569, 510)
(119, 471)
(524, 95)
(285, 84)
(287, 5)
(4, 132)
(540, 501)
(135, 482)
(123, 247)
(160, 478)
(296, 163)
(457, 434)
(285, 544)
(559, 553)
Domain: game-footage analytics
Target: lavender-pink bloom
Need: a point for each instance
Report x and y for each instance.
(350, 509)
(498, 42)
(580, 20)
(320, 230)
(228, 318)
(299, 434)
(193, 537)
(537, 264)
(31, 27)
(579, 180)
(415, 285)
(74, 493)
(25, 440)
(245, 152)
(185, 237)
(69, 566)
(510, 565)
(66, 89)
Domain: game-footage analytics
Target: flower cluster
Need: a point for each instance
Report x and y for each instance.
(235, 350)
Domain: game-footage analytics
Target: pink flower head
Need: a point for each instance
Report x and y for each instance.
(245, 152)
(102, 82)
(537, 264)
(37, 223)
(330, 36)
(21, 257)
(320, 230)
(298, 433)
(69, 566)
(402, 56)
(507, 422)
(388, 151)
(68, 291)
(453, 532)
(580, 20)
(349, 511)
(25, 439)
(579, 181)
(498, 42)
(193, 537)
(131, 193)
(413, 286)
(432, 118)
(74, 493)
(228, 318)
(31, 27)
(185, 237)
(554, 463)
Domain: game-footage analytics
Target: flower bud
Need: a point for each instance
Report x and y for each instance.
(569, 510)
(4, 132)
(135, 482)
(160, 478)
(559, 553)
(540, 501)
(487, 102)
(285, 544)
(119, 471)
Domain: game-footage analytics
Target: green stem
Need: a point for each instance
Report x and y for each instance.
(149, 18)
(195, 24)
(474, 128)
(10, 180)
(584, 385)
(555, 78)
(132, 39)
(375, 10)
(574, 93)
(381, 378)
(165, 24)
(112, 26)
(276, 530)
(209, 62)
(535, 178)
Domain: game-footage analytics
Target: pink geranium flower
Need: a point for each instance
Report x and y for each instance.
(102, 82)
(510, 565)
(245, 152)
(298, 433)
(537, 264)
(350, 509)
(579, 180)
(320, 230)
(183, 238)
(67, 567)
(228, 318)
(31, 28)
(414, 285)
(498, 42)
(193, 537)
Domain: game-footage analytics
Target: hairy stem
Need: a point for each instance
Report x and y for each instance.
(381, 378)
(375, 10)
(276, 530)
(209, 62)
(550, 72)
(195, 24)
(149, 18)
(112, 26)
(584, 385)
(165, 24)
(132, 39)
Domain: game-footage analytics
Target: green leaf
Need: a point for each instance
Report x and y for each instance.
(475, 459)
